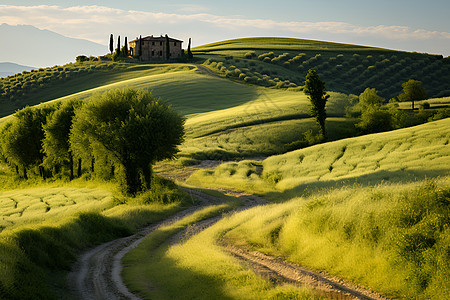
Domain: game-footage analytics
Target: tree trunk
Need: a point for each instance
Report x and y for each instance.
(113, 169)
(17, 169)
(92, 165)
(131, 178)
(79, 168)
(42, 172)
(71, 166)
(412, 104)
(25, 173)
(147, 177)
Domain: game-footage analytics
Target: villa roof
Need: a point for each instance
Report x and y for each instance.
(156, 39)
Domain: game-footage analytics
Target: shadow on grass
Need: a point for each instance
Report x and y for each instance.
(162, 277)
(373, 179)
(27, 256)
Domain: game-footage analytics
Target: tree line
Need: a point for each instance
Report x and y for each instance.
(373, 117)
(119, 134)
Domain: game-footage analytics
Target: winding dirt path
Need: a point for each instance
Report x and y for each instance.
(96, 274)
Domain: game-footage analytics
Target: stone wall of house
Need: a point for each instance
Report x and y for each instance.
(155, 49)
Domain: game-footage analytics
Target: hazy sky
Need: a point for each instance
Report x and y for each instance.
(412, 25)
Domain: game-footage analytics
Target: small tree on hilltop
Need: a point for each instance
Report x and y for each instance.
(167, 47)
(125, 48)
(133, 129)
(111, 43)
(140, 48)
(412, 91)
(118, 45)
(190, 56)
(315, 90)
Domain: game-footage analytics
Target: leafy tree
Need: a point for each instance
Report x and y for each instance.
(412, 90)
(22, 144)
(315, 90)
(111, 43)
(167, 47)
(190, 56)
(56, 141)
(370, 98)
(133, 129)
(374, 119)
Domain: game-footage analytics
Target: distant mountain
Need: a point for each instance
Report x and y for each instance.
(7, 68)
(28, 45)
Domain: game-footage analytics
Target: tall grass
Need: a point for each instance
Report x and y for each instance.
(393, 238)
(45, 228)
(196, 268)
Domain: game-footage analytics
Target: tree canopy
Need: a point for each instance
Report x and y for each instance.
(315, 90)
(370, 98)
(132, 128)
(412, 91)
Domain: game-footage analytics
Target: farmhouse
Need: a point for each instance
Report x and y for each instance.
(154, 48)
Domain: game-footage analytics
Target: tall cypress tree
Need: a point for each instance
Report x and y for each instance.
(140, 47)
(118, 45)
(189, 50)
(167, 47)
(111, 43)
(125, 48)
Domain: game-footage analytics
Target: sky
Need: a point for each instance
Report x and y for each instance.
(410, 25)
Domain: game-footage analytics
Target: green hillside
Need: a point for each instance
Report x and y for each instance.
(225, 119)
(401, 155)
(283, 62)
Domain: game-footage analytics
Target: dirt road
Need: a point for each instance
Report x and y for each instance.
(96, 274)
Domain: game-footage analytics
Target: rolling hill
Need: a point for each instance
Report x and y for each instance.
(345, 68)
(367, 199)
(7, 69)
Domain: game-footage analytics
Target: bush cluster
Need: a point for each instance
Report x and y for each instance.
(351, 73)
(14, 87)
(263, 78)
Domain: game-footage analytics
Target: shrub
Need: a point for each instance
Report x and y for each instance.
(81, 58)
(250, 54)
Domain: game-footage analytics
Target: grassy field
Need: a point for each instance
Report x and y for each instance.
(392, 238)
(196, 268)
(45, 227)
(368, 212)
(397, 156)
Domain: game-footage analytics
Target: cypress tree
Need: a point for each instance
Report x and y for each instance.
(118, 45)
(167, 47)
(125, 48)
(111, 43)
(140, 47)
(189, 50)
